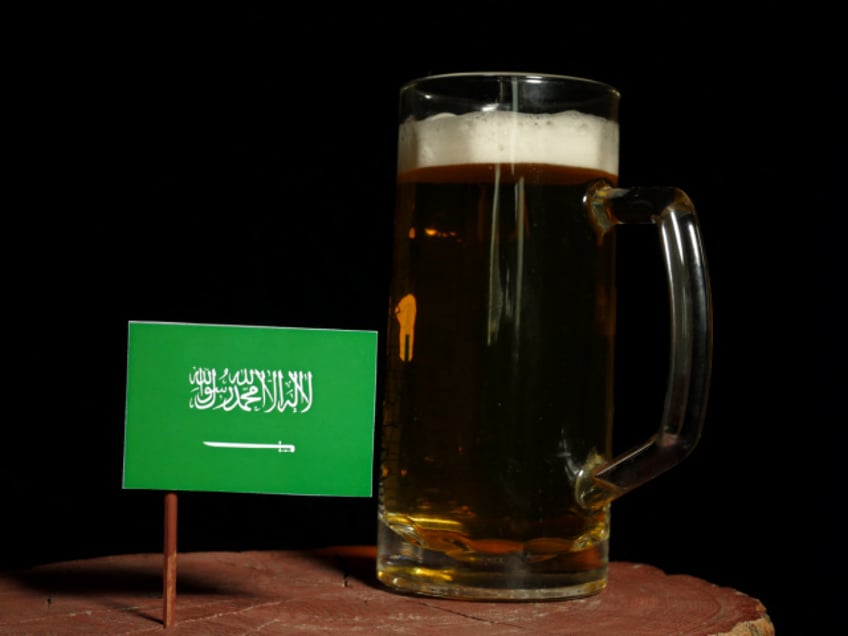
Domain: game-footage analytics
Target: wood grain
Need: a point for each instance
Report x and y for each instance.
(335, 590)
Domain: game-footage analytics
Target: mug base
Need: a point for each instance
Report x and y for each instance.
(407, 568)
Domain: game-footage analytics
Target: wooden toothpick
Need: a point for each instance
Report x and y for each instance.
(169, 570)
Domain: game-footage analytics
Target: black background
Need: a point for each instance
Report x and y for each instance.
(236, 165)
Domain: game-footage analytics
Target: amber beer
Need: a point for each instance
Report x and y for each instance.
(498, 387)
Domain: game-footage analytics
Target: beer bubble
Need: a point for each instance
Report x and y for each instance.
(568, 138)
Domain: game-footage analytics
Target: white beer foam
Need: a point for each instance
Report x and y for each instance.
(569, 138)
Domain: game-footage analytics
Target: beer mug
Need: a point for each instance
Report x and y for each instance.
(496, 465)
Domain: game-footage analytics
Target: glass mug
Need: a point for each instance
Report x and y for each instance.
(496, 467)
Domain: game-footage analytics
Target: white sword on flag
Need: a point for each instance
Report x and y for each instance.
(279, 446)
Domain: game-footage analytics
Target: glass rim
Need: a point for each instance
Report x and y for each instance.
(524, 76)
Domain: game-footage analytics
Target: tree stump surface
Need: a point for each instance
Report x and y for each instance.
(336, 590)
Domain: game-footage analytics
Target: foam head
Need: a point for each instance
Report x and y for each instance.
(569, 138)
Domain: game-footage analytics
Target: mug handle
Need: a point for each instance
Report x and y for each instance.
(691, 338)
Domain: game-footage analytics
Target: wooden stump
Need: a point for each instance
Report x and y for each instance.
(335, 590)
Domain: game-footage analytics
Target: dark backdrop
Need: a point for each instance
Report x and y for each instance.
(237, 166)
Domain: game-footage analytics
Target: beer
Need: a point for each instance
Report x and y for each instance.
(498, 390)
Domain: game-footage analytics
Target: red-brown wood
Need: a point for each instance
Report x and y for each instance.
(169, 565)
(334, 589)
